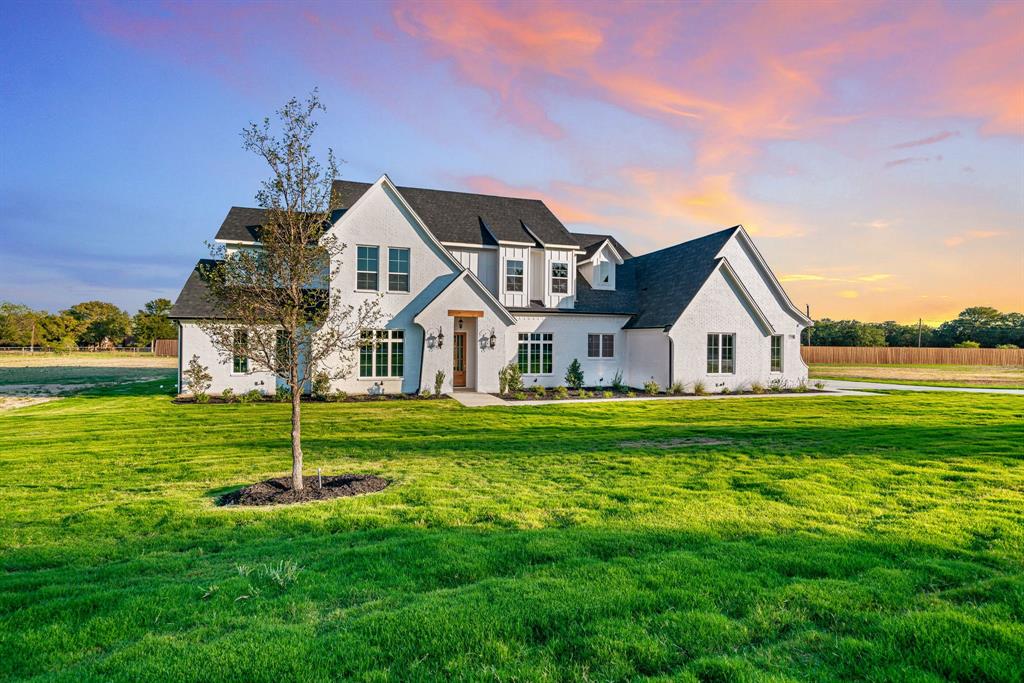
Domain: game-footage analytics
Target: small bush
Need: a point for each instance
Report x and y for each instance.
(777, 385)
(339, 396)
(676, 389)
(756, 387)
(698, 388)
(561, 392)
(251, 396)
(202, 397)
(1007, 346)
(583, 393)
(617, 384)
(197, 378)
(513, 378)
(726, 390)
(425, 393)
(651, 388)
(967, 345)
(228, 395)
(282, 394)
(321, 386)
(631, 394)
(519, 396)
(574, 375)
(819, 385)
(538, 390)
(438, 382)
(607, 394)
(801, 387)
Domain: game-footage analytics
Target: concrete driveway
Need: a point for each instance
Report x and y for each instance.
(846, 385)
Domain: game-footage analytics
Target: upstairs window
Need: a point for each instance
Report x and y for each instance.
(367, 267)
(776, 353)
(559, 277)
(536, 353)
(513, 276)
(604, 275)
(600, 346)
(398, 270)
(721, 353)
(239, 361)
(381, 353)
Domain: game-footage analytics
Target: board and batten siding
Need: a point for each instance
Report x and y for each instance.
(514, 299)
(481, 262)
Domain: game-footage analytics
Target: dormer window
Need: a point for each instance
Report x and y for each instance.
(559, 277)
(604, 275)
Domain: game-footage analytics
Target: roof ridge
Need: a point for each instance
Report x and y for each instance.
(434, 189)
(689, 241)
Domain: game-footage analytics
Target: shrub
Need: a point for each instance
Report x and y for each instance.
(513, 378)
(801, 387)
(583, 393)
(777, 385)
(630, 394)
(726, 390)
(228, 395)
(425, 393)
(339, 395)
(202, 397)
(561, 392)
(819, 385)
(1007, 346)
(321, 386)
(519, 396)
(757, 387)
(676, 388)
(197, 378)
(607, 394)
(698, 388)
(617, 384)
(967, 345)
(251, 396)
(651, 388)
(538, 390)
(574, 375)
(282, 394)
(438, 382)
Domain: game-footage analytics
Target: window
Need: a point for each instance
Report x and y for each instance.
(536, 353)
(513, 276)
(398, 270)
(722, 353)
(776, 353)
(604, 272)
(239, 362)
(282, 349)
(367, 267)
(559, 277)
(600, 346)
(381, 353)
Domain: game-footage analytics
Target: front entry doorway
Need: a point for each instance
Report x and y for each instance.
(459, 360)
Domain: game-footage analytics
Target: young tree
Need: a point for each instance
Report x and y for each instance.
(152, 322)
(275, 303)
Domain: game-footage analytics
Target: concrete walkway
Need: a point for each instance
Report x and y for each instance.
(473, 399)
(845, 385)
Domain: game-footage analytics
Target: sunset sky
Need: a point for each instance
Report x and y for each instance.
(874, 150)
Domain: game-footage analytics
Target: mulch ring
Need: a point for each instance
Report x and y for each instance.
(279, 491)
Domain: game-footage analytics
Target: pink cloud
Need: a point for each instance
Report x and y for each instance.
(930, 140)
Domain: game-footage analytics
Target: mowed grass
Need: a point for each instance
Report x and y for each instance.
(871, 538)
(982, 376)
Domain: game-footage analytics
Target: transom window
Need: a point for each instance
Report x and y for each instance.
(559, 277)
(381, 353)
(600, 346)
(722, 353)
(239, 361)
(513, 276)
(536, 353)
(776, 353)
(398, 269)
(367, 267)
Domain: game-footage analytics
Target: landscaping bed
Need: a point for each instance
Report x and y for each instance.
(286, 398)
(598, 393)
(280, 492)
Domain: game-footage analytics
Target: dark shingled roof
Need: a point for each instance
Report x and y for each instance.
(241, 225)
(472, 218)
(590, 243)
(193, 301)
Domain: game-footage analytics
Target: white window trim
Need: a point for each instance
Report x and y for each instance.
(358, 288)
(248, 363)
(735, 359)
(782, 354)
(600, 344)
(375, 377)
(409, 274)
(504, 281)
(551, 278)
(540, 342)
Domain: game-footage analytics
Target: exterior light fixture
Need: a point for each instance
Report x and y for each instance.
(493, 340)
(460, 323)
(440, 338)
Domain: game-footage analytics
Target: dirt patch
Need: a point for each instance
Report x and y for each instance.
(675, 443)
(93, 360)
(279, 491)
(42, 389)
(12, 402)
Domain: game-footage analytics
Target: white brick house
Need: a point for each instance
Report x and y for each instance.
(469, 283)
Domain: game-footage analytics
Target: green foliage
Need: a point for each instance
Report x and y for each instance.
(651, 388)
(519, 396)
(251, 396)
(967, 345)
(843, 538)
(438, 382)
(819, 385)
(425, 393)
(100, 320)
(630, 394)
(152, 323)
(561, 392)
(1007, 346)
(228, 395)
(196, 376)
(726, 390)
(282, 394)
(801, 387)
(617, 384)
(60, 332)
(583, 393)
(983, 324)
(538, 391)
(676, 389)
(756, 388)
(202, 397)
(17, 323)
(574, 375)
(777, 385)
(510, 379)
(607, 394)
(321, 385)
(339, 395)
(698, 388)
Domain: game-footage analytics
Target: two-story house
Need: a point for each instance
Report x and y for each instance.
(469, 283)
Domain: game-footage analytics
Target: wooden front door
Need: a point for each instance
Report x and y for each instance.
(459, 360)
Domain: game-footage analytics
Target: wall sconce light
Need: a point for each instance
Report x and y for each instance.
(460, 323)
(440, 337)
(493, 339)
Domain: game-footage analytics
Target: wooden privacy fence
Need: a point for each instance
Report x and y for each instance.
(165, 347)
(902, 355)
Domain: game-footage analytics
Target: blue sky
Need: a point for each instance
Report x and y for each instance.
(875, 152)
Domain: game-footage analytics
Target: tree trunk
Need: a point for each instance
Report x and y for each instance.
(296, 429)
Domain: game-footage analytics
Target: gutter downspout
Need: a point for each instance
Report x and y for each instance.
(178, 323)
(671, 356)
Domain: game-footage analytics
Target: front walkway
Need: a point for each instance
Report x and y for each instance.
(845, 385)
(473, 399)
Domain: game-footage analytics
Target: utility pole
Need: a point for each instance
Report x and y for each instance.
(919, 322)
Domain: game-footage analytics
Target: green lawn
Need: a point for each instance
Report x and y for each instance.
(872, 538)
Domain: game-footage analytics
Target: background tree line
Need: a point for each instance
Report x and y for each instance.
(90, 323)
(975, 326)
